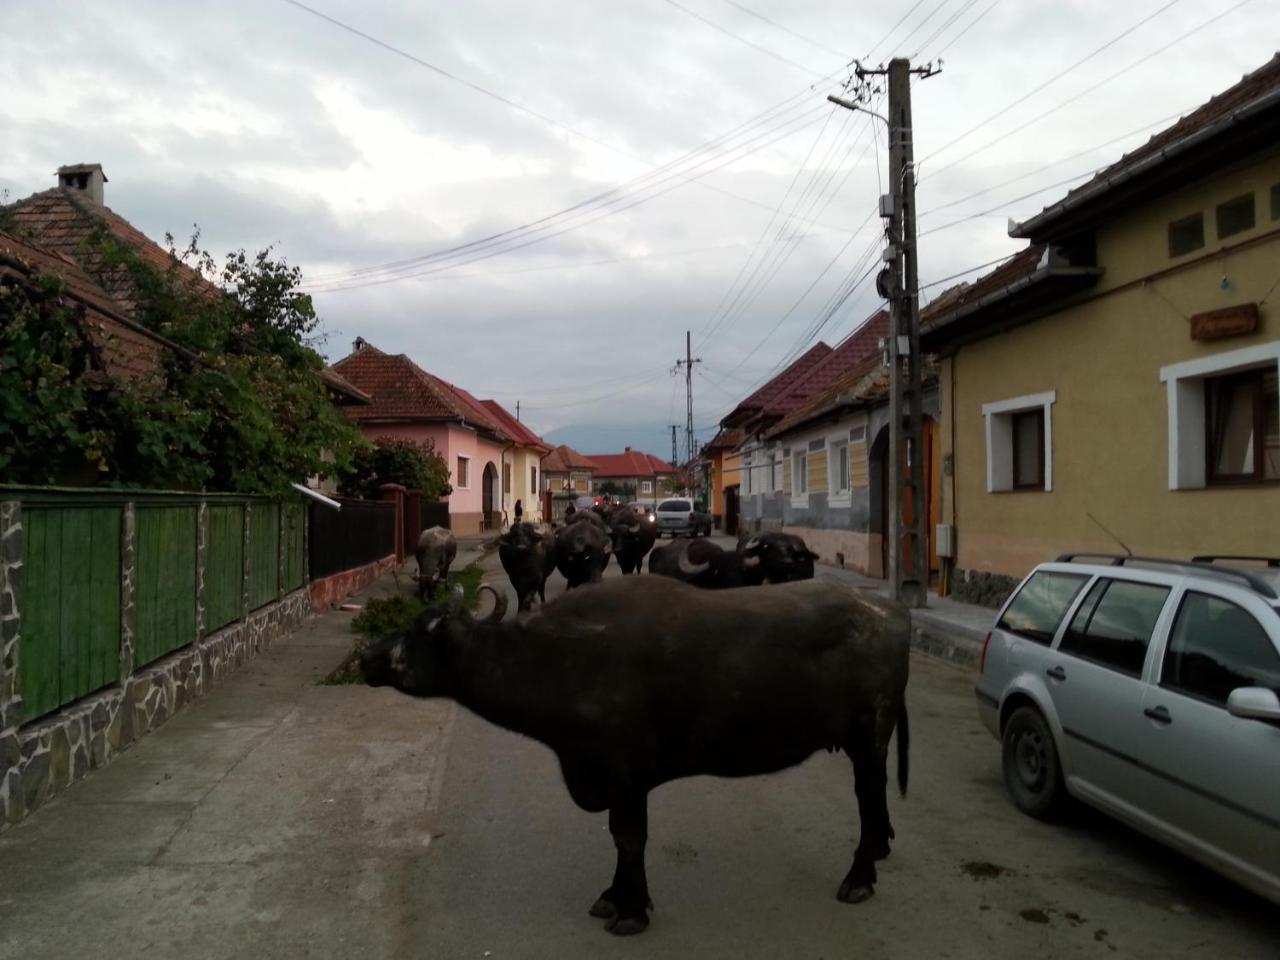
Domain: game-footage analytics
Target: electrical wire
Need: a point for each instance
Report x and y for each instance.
(876, 46)
(755, 46)
(1057, 76)
(943, 29)
(928, 16)
(972, 23)
(799, 36)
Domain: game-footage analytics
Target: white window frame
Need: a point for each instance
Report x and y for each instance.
(646, 486)
(467, 485)
(775, 477)
(838, 494)
(744, 481)
(799, 469)
(1184, 385)
(999, 430)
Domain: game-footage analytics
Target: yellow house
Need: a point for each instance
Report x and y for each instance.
(721, 454)
(1113, 387)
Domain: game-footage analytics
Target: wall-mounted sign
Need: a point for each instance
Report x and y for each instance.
(1227, 322)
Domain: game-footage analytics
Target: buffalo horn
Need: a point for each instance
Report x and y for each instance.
(499, 604)
(751, 544)
(751, 562)
(691, 569)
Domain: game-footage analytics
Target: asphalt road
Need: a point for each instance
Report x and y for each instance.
(749, 868)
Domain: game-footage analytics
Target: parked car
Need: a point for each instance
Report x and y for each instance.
(1149, 689)
(682, 516)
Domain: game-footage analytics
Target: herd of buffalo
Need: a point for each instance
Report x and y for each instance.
(727, 663)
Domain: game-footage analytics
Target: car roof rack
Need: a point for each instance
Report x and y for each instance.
(1256, 583)
(1211, 557)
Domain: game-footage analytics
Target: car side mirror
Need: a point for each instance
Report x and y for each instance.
(1254, 703)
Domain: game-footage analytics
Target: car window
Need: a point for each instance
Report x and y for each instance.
(1216, 647)
(1040, 605)
(675, 506)
(1114, 624)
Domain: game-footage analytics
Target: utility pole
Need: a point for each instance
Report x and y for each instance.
(517, 411)
(674, 428)
(908, 572)
(687, 363)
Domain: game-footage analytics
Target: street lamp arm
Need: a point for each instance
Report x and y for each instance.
(852, 105)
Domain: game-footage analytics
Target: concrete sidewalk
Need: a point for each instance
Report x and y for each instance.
(272, 818)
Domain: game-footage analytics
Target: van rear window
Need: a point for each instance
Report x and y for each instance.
(1041, 604)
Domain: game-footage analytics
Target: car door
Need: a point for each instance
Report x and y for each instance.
(1221, 773)
(1096, 679)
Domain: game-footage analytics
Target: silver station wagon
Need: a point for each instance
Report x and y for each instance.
(1149, 689)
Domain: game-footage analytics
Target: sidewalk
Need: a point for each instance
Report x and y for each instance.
(272, 818)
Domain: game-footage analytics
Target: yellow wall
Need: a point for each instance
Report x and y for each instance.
(522, 458)
(1110, 420)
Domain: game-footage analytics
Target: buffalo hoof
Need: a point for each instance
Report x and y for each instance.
(605, 909)
(848, 893)
(627, 926)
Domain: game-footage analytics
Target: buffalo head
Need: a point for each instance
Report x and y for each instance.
(776, 557)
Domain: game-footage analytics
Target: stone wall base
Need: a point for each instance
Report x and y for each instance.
(332, 590)
(984, 589)
(41, 760)
(465, 524)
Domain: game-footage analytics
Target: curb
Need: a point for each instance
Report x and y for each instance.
(945, 642)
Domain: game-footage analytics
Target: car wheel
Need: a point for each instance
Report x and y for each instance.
(1032, 771)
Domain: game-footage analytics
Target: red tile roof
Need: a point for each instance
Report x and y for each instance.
(1021, 264)
(1253, 86)
(629, 463)
(128, 348)
(783, 381)
(65, 221)
(401, 390)
(727, 439)
(564, 458)
(847, 355)
(513, 428)
(339, 385)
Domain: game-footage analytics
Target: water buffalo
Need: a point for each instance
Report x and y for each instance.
(777, 557)
(528, 555)
(583, 546)
(644, 680)
(437, 547)
(633, 536)
(702, 563)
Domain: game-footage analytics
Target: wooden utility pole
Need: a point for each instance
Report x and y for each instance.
(688, 362)
(908, 572)
(674, 461)
(517, 411)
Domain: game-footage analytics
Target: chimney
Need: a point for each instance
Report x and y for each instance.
(626, 450)
(358, 344)
(87, 178)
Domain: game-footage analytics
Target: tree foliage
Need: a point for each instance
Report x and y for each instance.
(243, 411)
(416, 466)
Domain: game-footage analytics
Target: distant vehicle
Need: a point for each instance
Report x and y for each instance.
(682, 516)
(1149, 689)
(586, 503)
(644, 510)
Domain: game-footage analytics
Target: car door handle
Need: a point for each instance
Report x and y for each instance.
(1056, 673)
(1158, 714)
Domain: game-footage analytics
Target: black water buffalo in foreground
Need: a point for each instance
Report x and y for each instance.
(777, 557)
(643, 680)
(528, 555)
(634, 535)
(435, 552)
(583, 546)
(701, 563)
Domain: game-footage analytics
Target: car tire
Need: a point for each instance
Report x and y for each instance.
(1032, 770)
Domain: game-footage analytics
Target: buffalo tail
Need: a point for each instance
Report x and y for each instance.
(904, 747)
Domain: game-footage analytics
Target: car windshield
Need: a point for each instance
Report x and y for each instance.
(675, 506)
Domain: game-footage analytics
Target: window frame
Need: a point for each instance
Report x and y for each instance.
(800, 472)
(1212, 477)
(646, 486)
(838, 456)
(1233, 202)
(1079, 606)
(1186, 408)
(1198, 218)
(998, 417)
(1171, 627)
(1037, 482)
(463, 476)
(1064, 618)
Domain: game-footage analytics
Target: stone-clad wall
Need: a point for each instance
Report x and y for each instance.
(43, 758)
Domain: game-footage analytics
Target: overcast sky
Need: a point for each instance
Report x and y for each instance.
(266, 124)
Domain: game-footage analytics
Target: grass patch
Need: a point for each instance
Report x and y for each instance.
(385, 617)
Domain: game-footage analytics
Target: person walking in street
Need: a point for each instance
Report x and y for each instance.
(519, 511)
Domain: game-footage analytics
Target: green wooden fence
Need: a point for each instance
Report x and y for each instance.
(73, 585)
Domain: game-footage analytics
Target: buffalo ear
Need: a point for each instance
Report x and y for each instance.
(456, 595)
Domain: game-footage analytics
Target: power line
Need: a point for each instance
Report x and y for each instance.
(943, 29)
(1009, 203)
(755, 46)
(1092, 87)
(972, 23)
(928, 16)
(1057, 76)
(799, 36)
(875, 46)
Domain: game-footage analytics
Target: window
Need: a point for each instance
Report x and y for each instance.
(506, 478)
(1114, 624)
(1186, 235)
(1028, 450)
(800, 474)
(745, 475)
(858, 434)
(1275, 202)
(1217, 647)
(1194, 433)
(1235, 216)
(580, 481)
(1242, 424)
(646, 486)
(1020, 443)
(1040, 605)
(533, 479)
(840, 466)
(773, 472)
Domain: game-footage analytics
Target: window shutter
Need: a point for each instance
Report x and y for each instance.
(858, 465)
(817, 471)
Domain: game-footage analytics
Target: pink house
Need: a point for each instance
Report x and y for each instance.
(409, 403)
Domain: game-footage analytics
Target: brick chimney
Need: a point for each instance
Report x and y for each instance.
(87, 178)
(358, 344)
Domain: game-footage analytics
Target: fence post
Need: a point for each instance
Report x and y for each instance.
(202, 547)
(128, 588)
(394, 493)
(282, 519)
(248, 560)
(12, 556)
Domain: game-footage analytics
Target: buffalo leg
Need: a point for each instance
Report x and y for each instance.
(625, 903)
(870, 784)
